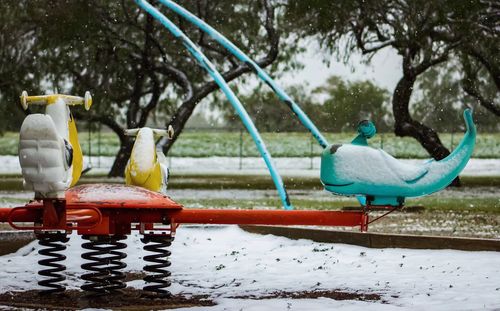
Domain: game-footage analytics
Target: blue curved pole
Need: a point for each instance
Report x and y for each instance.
(209, 67)
(282, 95)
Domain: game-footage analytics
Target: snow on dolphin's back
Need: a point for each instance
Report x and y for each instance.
(369, 165)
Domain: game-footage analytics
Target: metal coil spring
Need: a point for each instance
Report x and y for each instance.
(53, 243)
(105, 264)
(157, 244)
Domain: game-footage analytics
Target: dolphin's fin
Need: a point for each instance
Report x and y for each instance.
(366, 130)
(360, 140)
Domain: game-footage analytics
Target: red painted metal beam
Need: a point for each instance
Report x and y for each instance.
(205, 216)
(268, 217)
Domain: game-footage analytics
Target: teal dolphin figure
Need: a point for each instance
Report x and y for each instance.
(377, 178)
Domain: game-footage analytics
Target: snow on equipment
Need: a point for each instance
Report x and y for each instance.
(104, 214)
(49, 151)
(147, 166)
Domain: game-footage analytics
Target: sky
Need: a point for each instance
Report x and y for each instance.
(384, 68)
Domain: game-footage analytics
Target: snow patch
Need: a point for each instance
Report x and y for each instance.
(225, 262)
(250, 165)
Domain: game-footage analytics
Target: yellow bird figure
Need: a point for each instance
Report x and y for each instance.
(147, 166)
(49, 151)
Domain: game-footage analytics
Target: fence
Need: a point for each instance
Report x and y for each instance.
(236, 143)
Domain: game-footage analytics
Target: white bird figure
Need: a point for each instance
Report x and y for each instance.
(147, 166)
(49, 151)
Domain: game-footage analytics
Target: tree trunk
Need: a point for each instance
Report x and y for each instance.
(406, 126)
(118, 168)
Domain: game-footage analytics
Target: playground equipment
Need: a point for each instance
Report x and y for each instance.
(379, 179)
(49, 152)
(147, 166)
(105, 214)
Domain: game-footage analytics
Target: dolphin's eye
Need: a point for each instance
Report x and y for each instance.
(334, 148)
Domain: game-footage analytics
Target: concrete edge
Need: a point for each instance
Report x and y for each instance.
(11, 241)
(379, 240)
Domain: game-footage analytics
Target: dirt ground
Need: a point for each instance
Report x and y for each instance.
(128, 299)
(132, 299)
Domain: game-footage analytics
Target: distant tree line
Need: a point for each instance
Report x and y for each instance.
(339, 105)
(336, 106)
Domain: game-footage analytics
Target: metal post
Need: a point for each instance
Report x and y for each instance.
(241, 149)
(99, 145)
(381, 140)
(311, 152)
(90, 143)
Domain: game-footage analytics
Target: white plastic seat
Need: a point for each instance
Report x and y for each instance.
(43, 157)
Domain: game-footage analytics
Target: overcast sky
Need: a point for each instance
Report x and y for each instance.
(384, 69)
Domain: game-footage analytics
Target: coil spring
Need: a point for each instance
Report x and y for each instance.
(105, 264)
(157, 244)
(53, 243)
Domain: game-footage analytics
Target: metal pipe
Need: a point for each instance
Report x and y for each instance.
(268, 217)
(233, 49)
(209, 67)
(126, 216)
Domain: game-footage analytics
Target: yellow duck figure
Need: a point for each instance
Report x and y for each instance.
(147, 166)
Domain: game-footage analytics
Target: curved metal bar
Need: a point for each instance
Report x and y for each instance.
(74, 214)
(282, 95)
(209, 67)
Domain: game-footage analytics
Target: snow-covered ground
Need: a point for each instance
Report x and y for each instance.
(226, 262)
(252, 165)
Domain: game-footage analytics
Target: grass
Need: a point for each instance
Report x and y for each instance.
(247, 182)
(216, 143)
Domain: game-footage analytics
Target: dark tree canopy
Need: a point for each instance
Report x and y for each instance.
(133, 67)
(18, 65)
(348, 102)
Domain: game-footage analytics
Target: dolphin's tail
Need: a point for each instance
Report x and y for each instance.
(466, 146)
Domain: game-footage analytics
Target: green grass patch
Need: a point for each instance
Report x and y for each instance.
(480, 181)
(216, 143)
(268, 203)
(472, 205)
(222, 181)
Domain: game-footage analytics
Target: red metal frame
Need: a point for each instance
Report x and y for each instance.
(118, 209)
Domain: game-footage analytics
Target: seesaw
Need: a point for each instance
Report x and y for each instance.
(105, 214)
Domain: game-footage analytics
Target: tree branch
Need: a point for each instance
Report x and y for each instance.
(470, 89)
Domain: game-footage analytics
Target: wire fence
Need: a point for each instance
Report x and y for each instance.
(236, 143)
